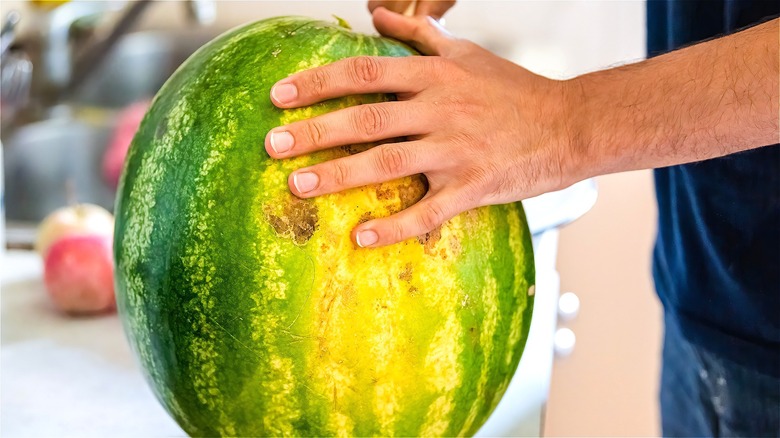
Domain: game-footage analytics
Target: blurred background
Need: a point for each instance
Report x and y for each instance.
(76, 74)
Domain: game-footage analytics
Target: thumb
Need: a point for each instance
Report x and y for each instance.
(424, 33)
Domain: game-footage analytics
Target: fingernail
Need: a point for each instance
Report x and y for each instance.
(366, 237)
(305, 181)
(281, 141)
(284, 93)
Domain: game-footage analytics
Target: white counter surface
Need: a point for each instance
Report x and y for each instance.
(66, 377)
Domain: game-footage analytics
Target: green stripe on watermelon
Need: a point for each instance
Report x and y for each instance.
(252, 312)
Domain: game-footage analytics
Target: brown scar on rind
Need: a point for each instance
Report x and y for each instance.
(406, 274)
(298, 219)
(352, 149)
(365, 217)
(384, 193)
(429, 240)
(412, 192)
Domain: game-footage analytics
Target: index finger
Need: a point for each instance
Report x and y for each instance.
(358, 75)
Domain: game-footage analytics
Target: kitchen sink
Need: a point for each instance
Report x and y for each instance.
(55, 162)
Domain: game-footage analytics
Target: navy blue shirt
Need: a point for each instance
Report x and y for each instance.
(716, 262)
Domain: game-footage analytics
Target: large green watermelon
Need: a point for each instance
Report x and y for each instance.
(254, 314)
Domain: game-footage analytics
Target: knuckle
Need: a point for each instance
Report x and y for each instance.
(444, 66)
(435, 66)
(458, 103)
(457, 71)
(370, 121)
(316, 81)
(340, 173)
(507, 186)
(459, 108)
(481, 179)
(392, 160)
(472, 187)
(314, 132)
(479, 175)
(469, 142)
(397, 231)
(432, 216)
(365, 69)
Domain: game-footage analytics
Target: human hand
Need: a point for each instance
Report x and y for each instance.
(433, 8)
(481, 129)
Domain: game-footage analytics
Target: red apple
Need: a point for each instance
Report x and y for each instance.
(76, 220)
(127, 124)
(79, 274)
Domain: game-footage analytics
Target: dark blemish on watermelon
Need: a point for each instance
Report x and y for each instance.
(406, 274)
(297, 221)
(365, 217)
(429, 240)
(384, 193)
(410, 193)
(353, 149)
(474, 333)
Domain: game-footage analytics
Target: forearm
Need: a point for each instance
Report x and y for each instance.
(704, 101)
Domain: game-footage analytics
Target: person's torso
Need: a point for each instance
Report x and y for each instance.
(717, 255)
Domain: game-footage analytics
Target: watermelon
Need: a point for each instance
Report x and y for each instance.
(252, 312)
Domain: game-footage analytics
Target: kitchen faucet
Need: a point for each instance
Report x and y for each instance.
(59, 68)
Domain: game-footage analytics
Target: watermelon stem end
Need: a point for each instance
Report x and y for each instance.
(342, 22)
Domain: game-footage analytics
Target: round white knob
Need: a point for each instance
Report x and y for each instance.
(564, 342)
(568, 306)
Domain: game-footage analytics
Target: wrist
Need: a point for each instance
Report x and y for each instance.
(579, 159)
